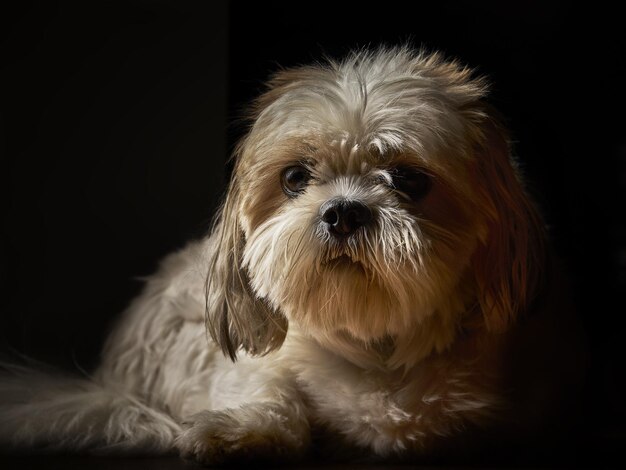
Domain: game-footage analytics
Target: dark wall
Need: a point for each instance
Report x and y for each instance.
(114, 136)
(113, 121)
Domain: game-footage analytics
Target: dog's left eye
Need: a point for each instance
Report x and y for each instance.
(411, 182)
(294, 180)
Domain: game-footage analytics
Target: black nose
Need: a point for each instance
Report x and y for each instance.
(344, 217)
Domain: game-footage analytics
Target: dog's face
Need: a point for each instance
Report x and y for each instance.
(372, 198)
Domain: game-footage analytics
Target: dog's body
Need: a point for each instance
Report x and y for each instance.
(376, 256)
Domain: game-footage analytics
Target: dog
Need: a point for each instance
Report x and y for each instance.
(377, 283)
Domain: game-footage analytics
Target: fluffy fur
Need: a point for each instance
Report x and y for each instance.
(395, 339)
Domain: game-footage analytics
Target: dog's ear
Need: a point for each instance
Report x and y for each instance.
(235, 317)
(510, 261)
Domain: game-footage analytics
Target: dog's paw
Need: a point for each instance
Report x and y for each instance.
(242, 434)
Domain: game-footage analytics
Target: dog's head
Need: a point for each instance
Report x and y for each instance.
(373, 198)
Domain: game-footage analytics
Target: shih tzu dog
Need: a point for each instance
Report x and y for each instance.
(377, 283)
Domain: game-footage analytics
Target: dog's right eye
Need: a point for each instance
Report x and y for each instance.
(294, 180)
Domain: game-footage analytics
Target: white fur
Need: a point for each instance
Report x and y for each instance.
(377, 349)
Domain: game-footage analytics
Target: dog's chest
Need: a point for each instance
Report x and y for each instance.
(388, 409)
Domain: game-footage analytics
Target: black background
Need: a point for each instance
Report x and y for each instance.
(114, 137)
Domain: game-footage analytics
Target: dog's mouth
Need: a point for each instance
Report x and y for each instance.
(343, 261)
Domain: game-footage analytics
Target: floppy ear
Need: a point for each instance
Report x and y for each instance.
(235, 317)
(510, 261)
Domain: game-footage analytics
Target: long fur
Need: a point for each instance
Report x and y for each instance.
(394, 339)
(42, 411)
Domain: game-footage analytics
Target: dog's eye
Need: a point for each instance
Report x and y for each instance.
(294, 180)
(411, 182)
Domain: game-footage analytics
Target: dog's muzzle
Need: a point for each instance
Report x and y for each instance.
(343, 217)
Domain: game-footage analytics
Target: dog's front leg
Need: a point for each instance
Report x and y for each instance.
(254, 431)
(262, 418)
